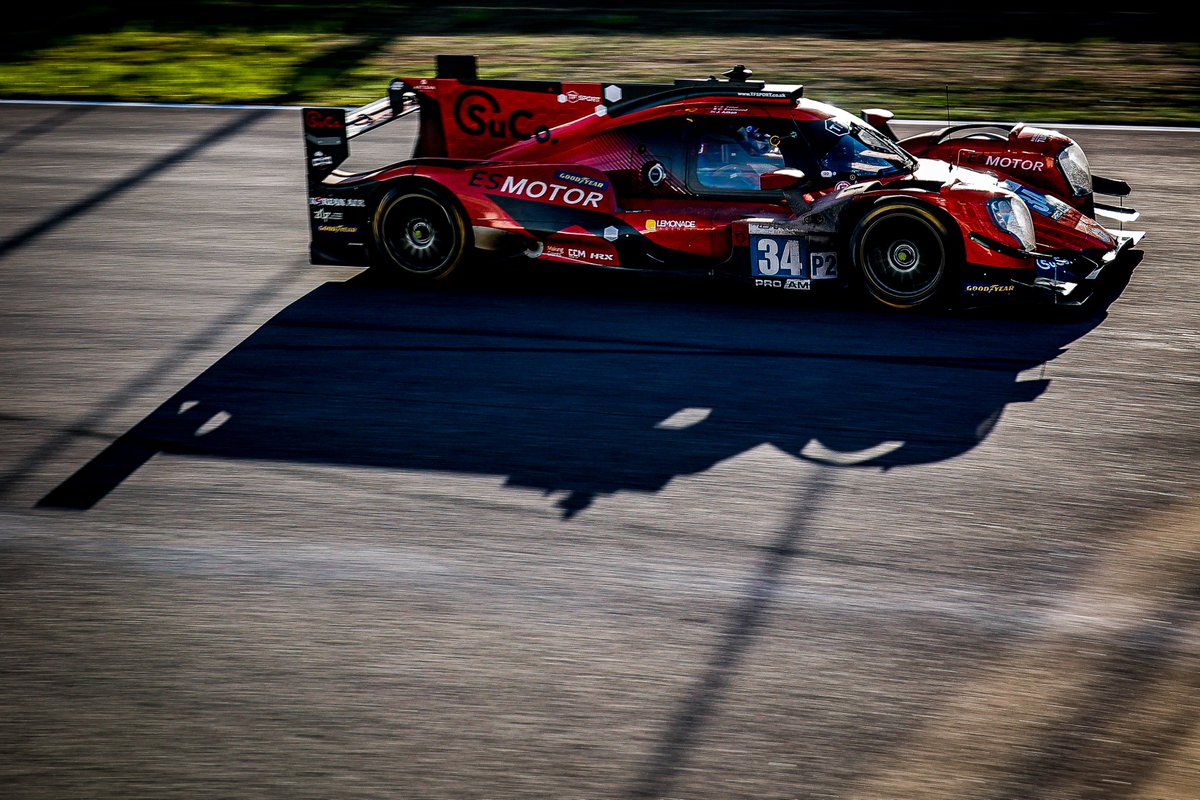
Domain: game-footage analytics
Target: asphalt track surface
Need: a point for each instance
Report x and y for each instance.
(270, 530)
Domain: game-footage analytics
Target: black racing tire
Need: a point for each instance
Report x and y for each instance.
(904, 256)
(420, 235)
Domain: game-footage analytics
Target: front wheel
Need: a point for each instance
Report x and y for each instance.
(420, 234)
(903, 255)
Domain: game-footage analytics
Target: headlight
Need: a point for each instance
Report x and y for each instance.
(1074, 165)
(1011, 215)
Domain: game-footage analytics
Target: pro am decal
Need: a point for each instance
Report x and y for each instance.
(779, 262)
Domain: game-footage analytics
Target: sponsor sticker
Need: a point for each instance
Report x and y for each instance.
(544, 191)
(320, 159)
(1038, 134)
(581, 180)
(1038, 203)
(314, 118)
(323, 141)
(576, 97)
(585, 254)
(478, 113)
(327, 216)
(653, 225)
(770, 229)
(1008, 162)
(988, 288)
(836, 128)
(785, 283)
(344, 202)
(337, 229)
(778, 257)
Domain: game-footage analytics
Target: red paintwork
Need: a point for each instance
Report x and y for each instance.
(495, 142)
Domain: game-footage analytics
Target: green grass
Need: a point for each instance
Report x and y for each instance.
(186, 66)
(1092, 80)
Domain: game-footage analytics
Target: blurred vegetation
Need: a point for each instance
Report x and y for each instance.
(1009, 64)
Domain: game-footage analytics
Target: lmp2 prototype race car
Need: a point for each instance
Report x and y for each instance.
(725, 178)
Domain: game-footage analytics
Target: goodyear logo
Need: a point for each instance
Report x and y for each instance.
(988, 288)
(582, 180)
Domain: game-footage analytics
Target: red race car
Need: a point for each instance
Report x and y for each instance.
(725, 178)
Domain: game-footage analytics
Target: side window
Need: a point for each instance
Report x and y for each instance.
(731, 155)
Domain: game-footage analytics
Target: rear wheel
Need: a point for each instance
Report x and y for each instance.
(903, 255)
(420, 234)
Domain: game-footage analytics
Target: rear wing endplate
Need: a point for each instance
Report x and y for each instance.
(328, 130)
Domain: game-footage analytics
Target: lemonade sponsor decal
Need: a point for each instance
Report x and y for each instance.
(670, 225)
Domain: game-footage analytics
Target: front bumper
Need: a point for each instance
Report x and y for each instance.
(1056, 279)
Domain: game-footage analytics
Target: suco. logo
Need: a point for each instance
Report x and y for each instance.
(477, 113)
(319, 119)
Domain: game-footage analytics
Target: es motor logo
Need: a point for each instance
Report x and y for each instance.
(1008, 162)
(545, 191)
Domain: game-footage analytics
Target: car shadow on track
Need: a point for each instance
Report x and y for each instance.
(586, 385)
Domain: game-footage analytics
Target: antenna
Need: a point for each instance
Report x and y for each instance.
(947, 104)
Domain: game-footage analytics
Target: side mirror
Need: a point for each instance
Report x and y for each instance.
(781, 179)
(879, 119)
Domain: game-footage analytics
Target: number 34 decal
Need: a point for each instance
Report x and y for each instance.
(779, 256)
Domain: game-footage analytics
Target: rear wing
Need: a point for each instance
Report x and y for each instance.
(328, 131)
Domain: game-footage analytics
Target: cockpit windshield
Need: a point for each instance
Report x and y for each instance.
(731, 155)
(846, 150)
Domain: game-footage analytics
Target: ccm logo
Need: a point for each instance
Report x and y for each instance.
(582, 255)
(315, 119)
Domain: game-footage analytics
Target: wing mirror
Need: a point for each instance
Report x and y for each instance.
(879, 119)
(781, 180)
